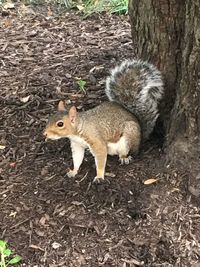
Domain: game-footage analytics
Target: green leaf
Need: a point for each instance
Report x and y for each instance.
(14, 260)
(7, 252)
(2, 244)
(81, 84)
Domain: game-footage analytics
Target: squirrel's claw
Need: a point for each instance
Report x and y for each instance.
(98, 180)
(125, 160)
(71, 173)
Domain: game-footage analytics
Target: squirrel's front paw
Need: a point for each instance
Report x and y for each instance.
(98, 180)
(72, 173)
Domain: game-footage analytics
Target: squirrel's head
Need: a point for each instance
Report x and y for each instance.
(62, 123)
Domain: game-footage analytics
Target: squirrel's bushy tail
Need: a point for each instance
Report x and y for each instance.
(138, 86)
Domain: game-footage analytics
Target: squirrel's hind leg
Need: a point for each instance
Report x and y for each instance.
(99, 151)
(125, 160)
(123, 148)
(130, 141)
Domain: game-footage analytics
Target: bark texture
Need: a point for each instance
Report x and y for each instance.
(167, 33)
(157, 30)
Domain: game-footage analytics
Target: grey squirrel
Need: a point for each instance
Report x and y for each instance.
(116, 127)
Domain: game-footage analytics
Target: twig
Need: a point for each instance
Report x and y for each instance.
(20, 223)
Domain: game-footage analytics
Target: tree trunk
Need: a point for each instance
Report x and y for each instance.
(167, 33)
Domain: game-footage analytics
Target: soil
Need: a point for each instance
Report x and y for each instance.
(48, 218)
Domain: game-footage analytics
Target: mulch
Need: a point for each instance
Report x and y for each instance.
(48, 218)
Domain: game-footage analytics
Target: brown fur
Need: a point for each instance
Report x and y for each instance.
(100, 129)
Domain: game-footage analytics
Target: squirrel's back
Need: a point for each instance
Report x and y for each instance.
(138, 86)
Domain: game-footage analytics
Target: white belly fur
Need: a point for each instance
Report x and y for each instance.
(115, 148)
(79, 141)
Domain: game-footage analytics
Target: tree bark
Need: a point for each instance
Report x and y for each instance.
(167, 33)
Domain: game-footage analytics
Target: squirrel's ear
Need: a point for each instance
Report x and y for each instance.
(73, 114)
(61, 106)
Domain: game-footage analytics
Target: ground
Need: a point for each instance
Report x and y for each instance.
(48, 218)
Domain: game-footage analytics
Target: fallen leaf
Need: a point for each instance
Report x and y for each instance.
(8, 23)
(56, 245)
(13, 214)
(77, 203)
(151, 181)
(13, 164)
(49, 13)
(25, 99)
(44, 219)
(24, 10)
(32, 33)
(175, 190)
(9, 5)
(80, 7)
(2, 147)
(110, 174)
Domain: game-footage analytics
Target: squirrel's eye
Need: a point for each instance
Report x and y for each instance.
(60, 124)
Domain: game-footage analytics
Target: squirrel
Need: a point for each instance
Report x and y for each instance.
(116, 127)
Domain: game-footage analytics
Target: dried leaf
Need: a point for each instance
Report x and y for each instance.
(80, 7)
(13, 214)
(8, 23)
(110, 174)
(13, 164)
(175, 190)
(25, 99)
(9, 5)
(2, 147)
(56, 245)
(77, 203)
(24, 10)
(49, 13)
(32, 33)
(42, 221)
(151, 181)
